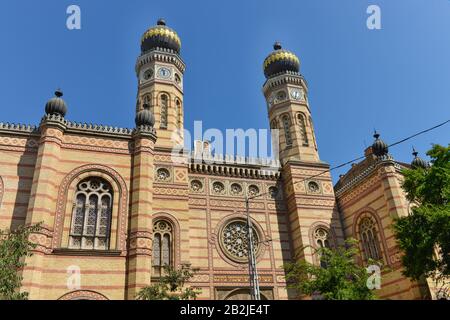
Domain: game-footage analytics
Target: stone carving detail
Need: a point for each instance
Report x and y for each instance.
(236, 189)
(273, 192)
(196, 186)
(218, 187)
(253, 190)
(313, 187)
(163, 174)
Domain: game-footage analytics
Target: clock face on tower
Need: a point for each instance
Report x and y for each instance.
(297, 94)
(148, 74)
(164, 73)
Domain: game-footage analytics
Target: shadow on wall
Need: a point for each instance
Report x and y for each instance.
(25, 174)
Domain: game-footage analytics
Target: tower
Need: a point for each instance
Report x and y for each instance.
(286, 93)
(308, 189)
(160, 71)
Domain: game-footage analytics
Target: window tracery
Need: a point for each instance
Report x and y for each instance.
(235, 240)
(164, 111)
(287, 130)
(162, 255)
(91, 216)
(302, 124)
(369, 239)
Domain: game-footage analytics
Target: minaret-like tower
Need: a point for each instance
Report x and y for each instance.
(308, 189)
(286, 93)
(160, 71)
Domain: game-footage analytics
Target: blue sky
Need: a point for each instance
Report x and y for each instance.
(395, 79)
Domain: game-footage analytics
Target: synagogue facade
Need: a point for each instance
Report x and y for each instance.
(116, 205)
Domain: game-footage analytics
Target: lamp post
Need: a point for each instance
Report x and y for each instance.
(253, 272)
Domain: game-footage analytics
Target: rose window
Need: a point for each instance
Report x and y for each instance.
(218, 187)
(163, 174)
(196, 186)
(236, 189)
(253, 190)
(273, 192)
(235, 240)
(313, 187)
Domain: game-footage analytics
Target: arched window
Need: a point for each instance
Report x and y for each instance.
(164, 111)
(91, 218)
(179, 114)
(147, 99)
(302, 124)
(273, 124)
(369, 239)
(287, 130)
(322, 240)
(313, 134)
(162, 254)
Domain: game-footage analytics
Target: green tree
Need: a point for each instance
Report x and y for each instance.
(171, 286)
(424, 235)
(14, 247)
(339, 278)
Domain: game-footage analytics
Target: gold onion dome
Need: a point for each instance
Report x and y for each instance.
(160, 37)
(280, 61)
(56, 105)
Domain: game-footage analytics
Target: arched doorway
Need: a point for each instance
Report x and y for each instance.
(83, 295)
(242, 294)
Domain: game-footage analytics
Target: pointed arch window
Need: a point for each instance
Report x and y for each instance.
(302, 124)
(287, 130)
(322, 240)
(164, 111)
(273, 124)
(91, 218)
(162, 253)
(369, 239)
(147, 100)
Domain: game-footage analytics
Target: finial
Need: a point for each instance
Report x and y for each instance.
(415, 153)
(277, 46)
(58, 93)
(161, 22)
(376, 135)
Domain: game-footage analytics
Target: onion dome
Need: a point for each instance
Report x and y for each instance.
(145, 117)
(162, 37)
(417, 161)
(379, 147)
(56, 105)
(280, 60)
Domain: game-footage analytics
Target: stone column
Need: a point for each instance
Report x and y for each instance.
(140, 229)
(42, 203)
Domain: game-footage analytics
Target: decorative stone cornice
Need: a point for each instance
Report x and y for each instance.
(287, 77)
(77, 127)
(54, 120)
(145, 132)
(340, 188)
(161, 55)
(19, 128)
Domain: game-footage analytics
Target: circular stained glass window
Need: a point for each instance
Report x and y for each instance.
(235, 240)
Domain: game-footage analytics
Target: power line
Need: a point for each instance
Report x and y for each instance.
(252, 270)
(360, 158)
